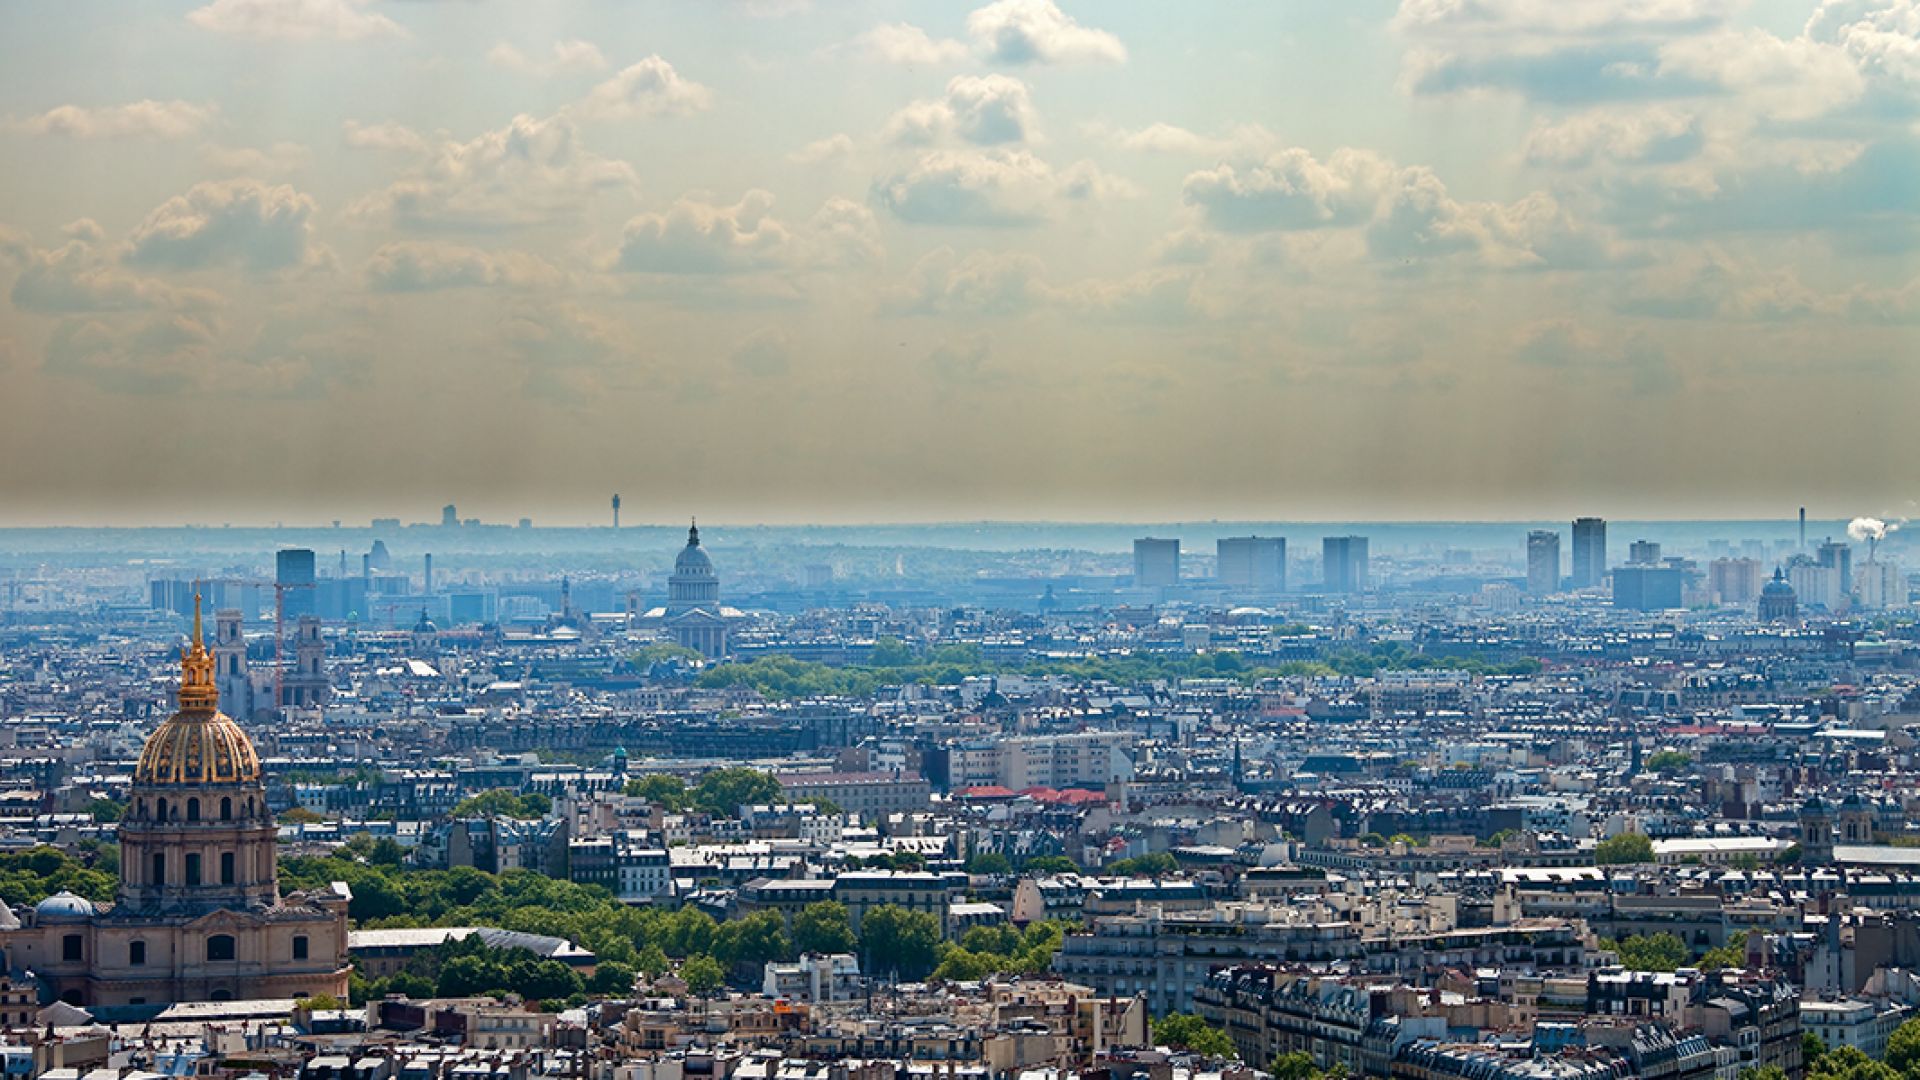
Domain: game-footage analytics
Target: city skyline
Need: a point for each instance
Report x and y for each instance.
(1017, 260)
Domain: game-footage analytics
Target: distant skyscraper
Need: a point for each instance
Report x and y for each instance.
(1344, 564)
(1879, 585)
(1156, 563)
(294, 573)
(1543, 562)
(1838, 554)
(449, 517)
(616, 512)
(1640, 587)
(1252, 562)
(1644, 553)
(1589, 552)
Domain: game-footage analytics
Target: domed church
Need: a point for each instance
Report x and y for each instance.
(198, 915)
(693, 614)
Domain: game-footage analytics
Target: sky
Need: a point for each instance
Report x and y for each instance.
(880, 260)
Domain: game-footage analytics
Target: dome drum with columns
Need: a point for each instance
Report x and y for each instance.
(198, 914)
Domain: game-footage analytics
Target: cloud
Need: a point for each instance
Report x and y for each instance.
(986, 110)
(982, 283)
(764, 354)
(697, 237)
(156, 355)
(148, 118)
(988, 188)
(296, 20)
(820, 151)
(411, 266)
(229, 222)
(1655, 135)
(1558, 17)
(901, 43)
(1291, 189)
(276, 160)
(78, 277)
(564, 56)
(1570, 348)
(650, 87)
(1784, 78)
(387, 136)
(1038, 32)
(530, 172)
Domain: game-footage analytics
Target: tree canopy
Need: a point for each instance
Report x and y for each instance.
(1630, 847)
(499, 802)
(1184, 1031)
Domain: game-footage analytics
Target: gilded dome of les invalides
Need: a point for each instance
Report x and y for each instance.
(198, 744)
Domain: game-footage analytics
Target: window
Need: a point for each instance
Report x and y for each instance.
(193, 809)
(158, 874)
(226, 868)
(193, 868)
(220, 947)
(136, 953)
(300, 947)
(226, 808)
(72, 947)
(160, 810)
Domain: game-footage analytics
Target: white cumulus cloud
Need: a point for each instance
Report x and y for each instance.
(297, 20)
(152, 119)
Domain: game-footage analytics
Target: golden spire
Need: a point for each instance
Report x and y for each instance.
(198, 691)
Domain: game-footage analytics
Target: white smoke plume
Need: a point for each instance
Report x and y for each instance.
(1870, 528)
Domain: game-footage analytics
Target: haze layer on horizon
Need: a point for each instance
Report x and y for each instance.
(780, 261)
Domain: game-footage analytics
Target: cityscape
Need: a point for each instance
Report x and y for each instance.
(959, 540)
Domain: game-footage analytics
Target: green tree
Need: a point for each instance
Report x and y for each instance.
(962, 965)
(823, 927)
(660, 789)
(687, 932)
(901, 941)
(611, 977)
(1154, 864)
(1630, 847)
(889, 652)
(299, 815)
(1903, 1047)
(1651, 952)
(752, 941)
(107, 811)
(1812, 1049)
(1731, 955)
(989, 863)
(1050, 864)
(1184, 1031)
(652, 962)
(1294, 1065)
(1669, 761)
(725, 791)
(499, 802)
(703, 974)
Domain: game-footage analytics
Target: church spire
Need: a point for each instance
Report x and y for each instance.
(693, 532)
(198, 690)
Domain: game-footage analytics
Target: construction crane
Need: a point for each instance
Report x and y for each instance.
(279, 621)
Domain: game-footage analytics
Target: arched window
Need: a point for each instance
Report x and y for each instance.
(193, 809)
(193, 868)
(223, 995)
(226, 808)
(226, 868)
(158, 874)
(136, 953)
(220, 947)
(160, 813)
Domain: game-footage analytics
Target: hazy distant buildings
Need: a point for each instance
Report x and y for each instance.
(1734, 581)
(1644, 553)
(1156, 563)
(1642, 587)
(1879, 585)
(449, 517)
(1838, 555)
(1589, 552)
(1778, 601)
(1543, 562)
(294, 574)
(1343, 562)
(1252, 562)
(1817, 586)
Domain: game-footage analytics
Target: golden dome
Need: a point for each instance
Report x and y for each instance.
(199, 744)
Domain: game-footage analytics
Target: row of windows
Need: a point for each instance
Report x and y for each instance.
(192, 809)
(158, 873)
(219, 947)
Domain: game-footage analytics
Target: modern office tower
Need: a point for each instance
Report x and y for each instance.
(1589, 552)
(1778, 601)
(1156, 563)
(1838, 554)
(1734, 581)
(1816, 586)
(1543, 562)
(1644, 553)
(294, 574)
(1879, 585)
(449, 517)
(1252, 562)
(1343, 562)
(1640, 587)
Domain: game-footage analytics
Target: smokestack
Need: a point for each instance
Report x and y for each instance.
(1803, 528)
(429, 586)
(366, 567)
